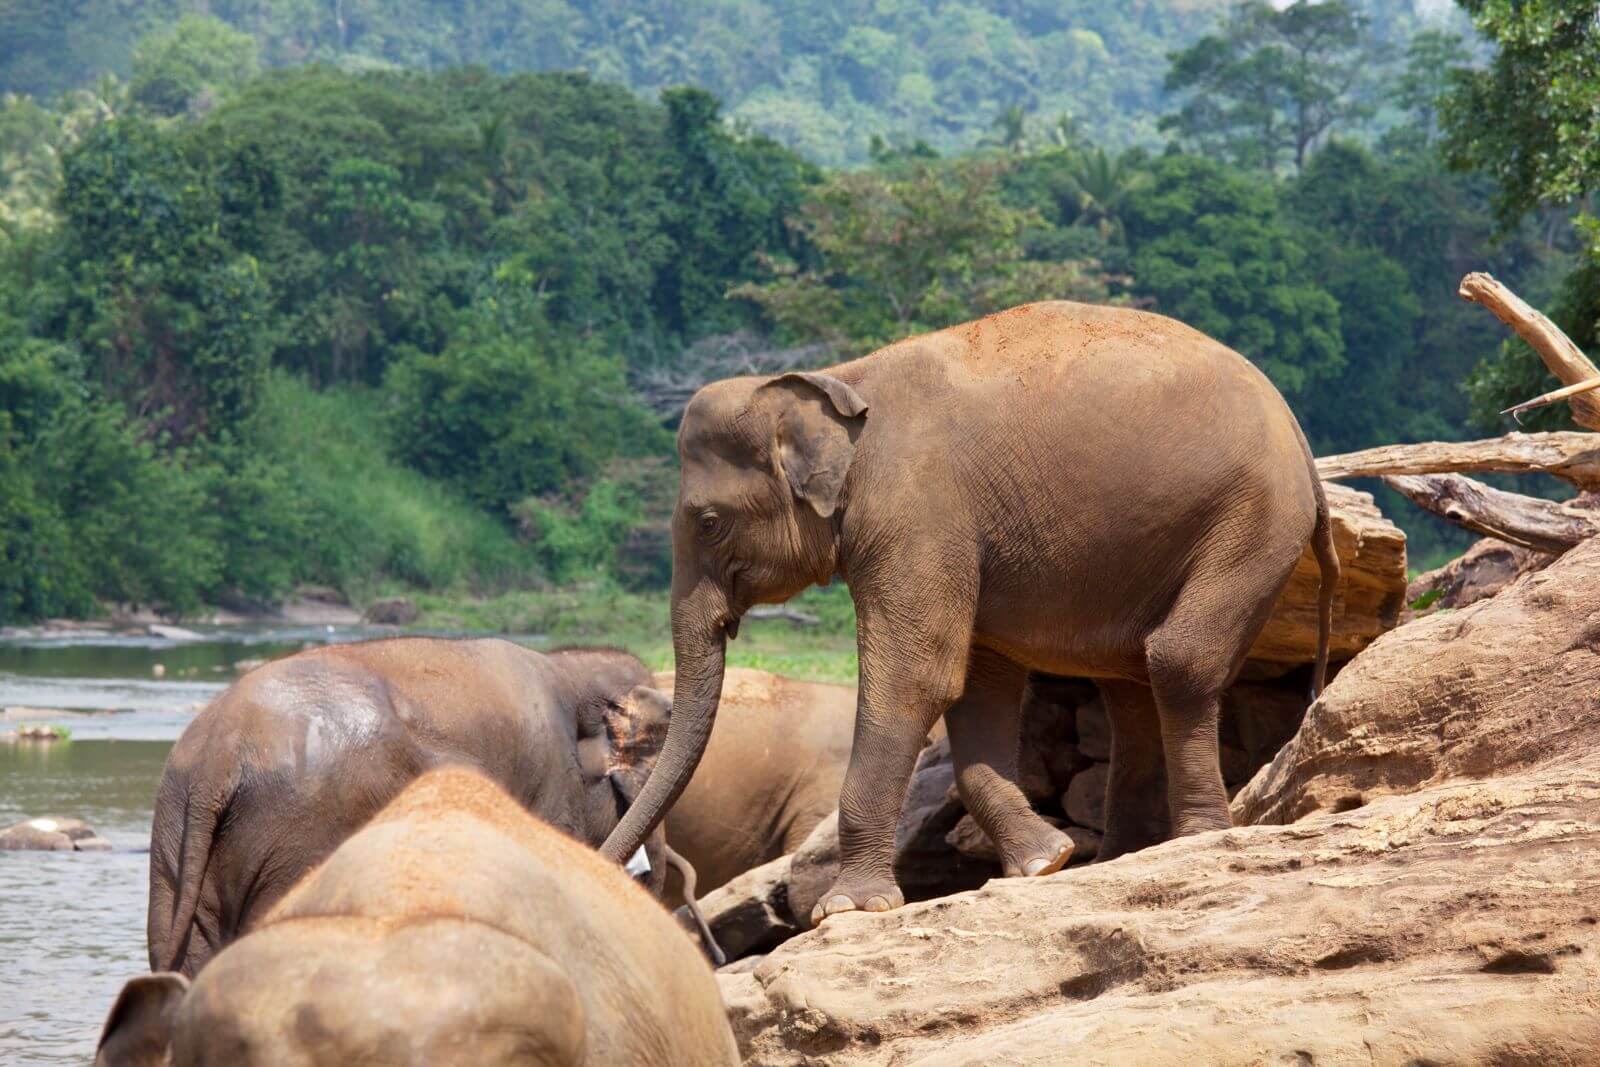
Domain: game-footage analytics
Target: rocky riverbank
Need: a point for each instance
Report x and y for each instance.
(1418, 882)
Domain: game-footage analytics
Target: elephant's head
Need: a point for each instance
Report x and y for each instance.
(764, 470)
(620, 738)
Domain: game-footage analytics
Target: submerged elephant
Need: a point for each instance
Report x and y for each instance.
(298, 754)
(453, 928)
(1076, 490)
(770, 774)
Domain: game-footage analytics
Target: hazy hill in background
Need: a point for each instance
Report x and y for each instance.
(822, 76)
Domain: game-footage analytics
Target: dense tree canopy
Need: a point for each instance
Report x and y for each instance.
(361, 321)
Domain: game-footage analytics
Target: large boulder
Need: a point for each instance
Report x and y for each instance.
(1419, 886)
(1507, 682)
(1457, 925)
(52, 835)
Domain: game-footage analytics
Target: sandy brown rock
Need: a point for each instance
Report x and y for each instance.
(1457, 925)
(1085, 799)
(1371, 591)
(1479, 573)
(1508, 682)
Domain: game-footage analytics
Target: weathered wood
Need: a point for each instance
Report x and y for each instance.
(1566, 392)
(1371, 592)
(1542, 525)
(1565, 359)
(784, 612)
(1572, 457)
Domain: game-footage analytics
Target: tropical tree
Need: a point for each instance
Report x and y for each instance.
(904, 252)
(1270, 81)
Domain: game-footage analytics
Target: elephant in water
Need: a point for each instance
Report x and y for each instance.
(453, 928)
(298, 754)
(1076, 490)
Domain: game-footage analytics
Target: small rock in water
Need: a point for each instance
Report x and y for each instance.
(39, 733)
(25, 714)
(173, 633)
(53, 835)
(391, 611)
(158, 670)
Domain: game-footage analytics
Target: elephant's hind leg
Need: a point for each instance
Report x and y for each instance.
(1136, 789)
(985, 728)
(1192, 657)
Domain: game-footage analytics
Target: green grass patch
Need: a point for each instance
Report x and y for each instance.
(600, 613)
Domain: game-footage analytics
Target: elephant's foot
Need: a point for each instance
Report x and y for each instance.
(1046, 852)
(858, 894)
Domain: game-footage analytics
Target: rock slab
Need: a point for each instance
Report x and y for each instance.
(52, 835)
(1458, 925)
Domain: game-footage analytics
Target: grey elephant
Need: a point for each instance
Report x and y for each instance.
(299, 753)
(1076, 490)
(453, 928)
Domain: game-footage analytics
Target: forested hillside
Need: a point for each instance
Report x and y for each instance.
(265, 323)
(822, 76)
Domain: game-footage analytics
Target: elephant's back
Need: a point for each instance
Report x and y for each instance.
(1049, 352)
(456, 844)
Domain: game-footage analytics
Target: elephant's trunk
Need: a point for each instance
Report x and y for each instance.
(699, 642)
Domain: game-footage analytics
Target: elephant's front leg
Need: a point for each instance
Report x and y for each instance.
(985, 734)
(908, 679)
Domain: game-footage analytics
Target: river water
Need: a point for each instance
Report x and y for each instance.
(72, 924)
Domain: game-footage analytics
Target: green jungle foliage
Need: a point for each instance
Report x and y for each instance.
(266, 321)
(822, 76)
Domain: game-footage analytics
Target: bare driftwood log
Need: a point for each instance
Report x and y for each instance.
(1565, 359)
(1371, 593)
(784, 612)
(1572, 457)
(1542, 525)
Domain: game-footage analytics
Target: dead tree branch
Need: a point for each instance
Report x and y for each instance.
(785, 612)
(1572, 457)
(1565, 359)
(666, 389)
(1542, 525)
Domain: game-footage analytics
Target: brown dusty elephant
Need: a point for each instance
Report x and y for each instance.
(771, 773)
(452, 928)
(1076, 490)
(299, 753)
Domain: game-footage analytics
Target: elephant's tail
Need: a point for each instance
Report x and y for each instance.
(685, 871)
(196, 832)
(1328, 563)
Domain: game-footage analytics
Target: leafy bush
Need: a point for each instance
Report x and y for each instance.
(511, 407)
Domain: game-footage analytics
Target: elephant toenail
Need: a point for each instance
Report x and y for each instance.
(877, 904)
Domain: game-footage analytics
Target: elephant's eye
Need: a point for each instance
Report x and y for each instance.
(708, 523)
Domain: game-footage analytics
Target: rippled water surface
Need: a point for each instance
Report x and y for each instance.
(72, 924)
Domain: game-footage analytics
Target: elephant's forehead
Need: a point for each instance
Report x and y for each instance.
(718, 409)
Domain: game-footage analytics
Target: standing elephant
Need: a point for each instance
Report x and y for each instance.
(1078, 490)
(298, 754)
(454, 928)
(771, 773)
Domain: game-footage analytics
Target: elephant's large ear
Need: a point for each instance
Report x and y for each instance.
(138, 1032)
(817, 430)
(636, 728)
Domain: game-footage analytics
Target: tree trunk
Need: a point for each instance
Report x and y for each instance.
(1565, 359)
(1573, 457)
(1542, 525)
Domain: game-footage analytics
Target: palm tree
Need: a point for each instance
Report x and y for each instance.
(1011, 130)
(1100, 185)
